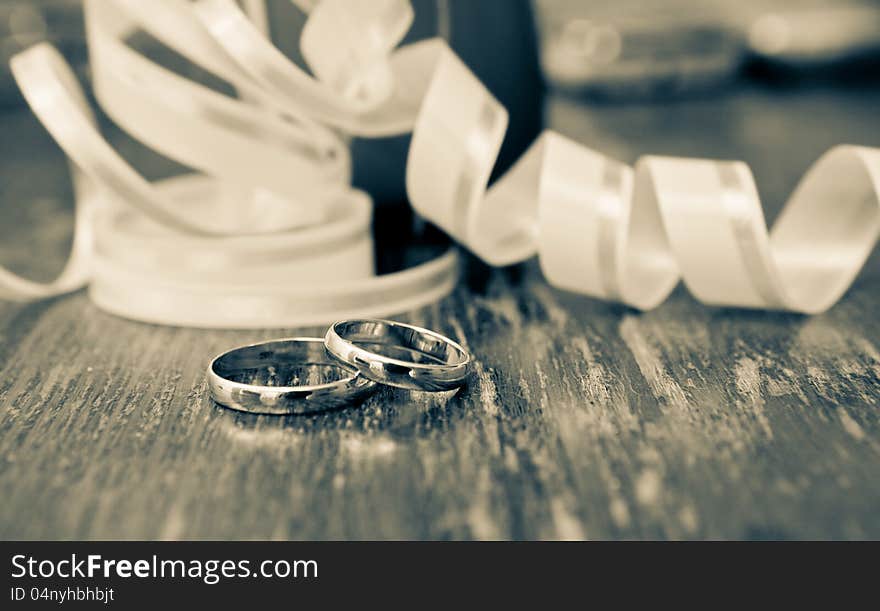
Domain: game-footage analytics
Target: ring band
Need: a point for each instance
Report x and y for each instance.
(273, 370)
(400, 355)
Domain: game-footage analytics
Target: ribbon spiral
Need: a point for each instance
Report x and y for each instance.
(274, 207)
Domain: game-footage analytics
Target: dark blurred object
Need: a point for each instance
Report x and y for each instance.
(843, 37)
(26, 22)
(498, 41)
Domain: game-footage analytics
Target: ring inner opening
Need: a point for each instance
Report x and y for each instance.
(281, 364)
(401, 343)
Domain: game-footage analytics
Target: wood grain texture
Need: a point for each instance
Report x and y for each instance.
(582, 419)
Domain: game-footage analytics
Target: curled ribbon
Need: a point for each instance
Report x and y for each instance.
(629, 235)
(599, 227)
(267, 233)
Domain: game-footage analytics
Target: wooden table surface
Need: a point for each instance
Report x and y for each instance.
(582, 420)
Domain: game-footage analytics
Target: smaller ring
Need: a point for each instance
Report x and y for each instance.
(278, 361)
(400, 355)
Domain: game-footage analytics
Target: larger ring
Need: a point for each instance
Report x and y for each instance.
(263, 378)
(396, 354)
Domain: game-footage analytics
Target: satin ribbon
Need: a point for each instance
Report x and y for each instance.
(599, 227)
(294, 250)
(630, 234)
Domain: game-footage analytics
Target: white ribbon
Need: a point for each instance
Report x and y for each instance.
(598, 226)
(294, 250)
(615, 232)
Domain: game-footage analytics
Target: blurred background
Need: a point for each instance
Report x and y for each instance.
(772, 82)
(601, 49)
(630, 50)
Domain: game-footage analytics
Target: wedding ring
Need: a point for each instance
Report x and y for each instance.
(400, 355)
(284, 376)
